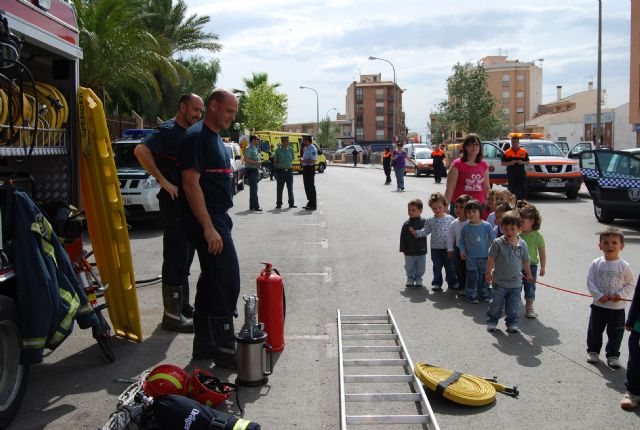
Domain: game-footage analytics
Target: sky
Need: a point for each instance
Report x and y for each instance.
(325, 44)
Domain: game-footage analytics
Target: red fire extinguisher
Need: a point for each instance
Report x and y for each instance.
(272, 306)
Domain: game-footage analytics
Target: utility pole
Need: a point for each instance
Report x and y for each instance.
(394, 94)
(599, 85)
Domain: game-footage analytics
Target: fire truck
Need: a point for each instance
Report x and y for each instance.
(41, 158)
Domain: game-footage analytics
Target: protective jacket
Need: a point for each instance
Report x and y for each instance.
(48, 294)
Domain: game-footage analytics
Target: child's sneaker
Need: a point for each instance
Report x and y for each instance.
(473, 301)
(454, 287)
(513, 329)
(629, 401)
(613, 362)
(593, 357)
(436, 288)
(418, 284)
(410, 284)
(491, 327)
(485, 299)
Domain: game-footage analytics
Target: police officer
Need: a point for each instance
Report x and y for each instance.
(515, 158)
(252, 162)
(308, 161)
(283, 160)
(158, 155)
(207, 187)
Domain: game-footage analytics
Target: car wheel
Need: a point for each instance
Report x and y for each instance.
(572, 194)
(322, 167)
(602, 214)
(14, 375)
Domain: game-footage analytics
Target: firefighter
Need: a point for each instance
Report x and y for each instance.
(515, 158)
(158, 155)
(209, 196)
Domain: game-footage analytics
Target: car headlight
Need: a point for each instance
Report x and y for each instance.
(530, 168)
(150, 182)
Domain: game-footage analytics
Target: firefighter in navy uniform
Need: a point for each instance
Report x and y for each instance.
(207, 187)
(158, 155)
(515, 158)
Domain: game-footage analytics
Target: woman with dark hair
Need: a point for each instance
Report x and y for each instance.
(468, 174)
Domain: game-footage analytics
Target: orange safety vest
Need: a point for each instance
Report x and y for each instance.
(437, 153)
(387, 154)
(520, 153)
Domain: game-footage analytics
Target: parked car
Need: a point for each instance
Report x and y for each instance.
(137, 187)
(423, 162)
(613, 181)
(633, 151)
(349, 149)
(237, 164)
(548, 168)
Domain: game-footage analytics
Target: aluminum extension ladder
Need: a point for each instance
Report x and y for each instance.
(378, 336)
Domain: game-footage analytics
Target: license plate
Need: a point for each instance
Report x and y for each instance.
(555, 184)
(127, 202)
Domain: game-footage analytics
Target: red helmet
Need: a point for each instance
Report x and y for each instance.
(205, 388)
(166, 379)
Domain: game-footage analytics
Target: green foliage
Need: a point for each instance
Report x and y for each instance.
(264, 108)
(328, 134)
(470, 107)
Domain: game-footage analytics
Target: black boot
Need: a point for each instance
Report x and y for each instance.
(173, 319)
(187, 309)
(215, 340)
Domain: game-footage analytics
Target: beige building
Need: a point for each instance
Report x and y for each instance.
(517, 86)
(345, 137)
(634, 84)
(370, 109)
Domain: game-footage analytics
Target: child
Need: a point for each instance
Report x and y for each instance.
(475, 238)
(414, 248)
(453, 242)
(500, 197)
(438, 227)
(609, 280)
(509, 256)
(632, 395)
(500, 210)
(530, 233)
(490, 206)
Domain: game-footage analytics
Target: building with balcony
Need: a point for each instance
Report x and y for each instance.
(517, 86)
(370, 107)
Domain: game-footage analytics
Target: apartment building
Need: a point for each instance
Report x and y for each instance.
(517, 86)
(634, 84)
(370, 107)
(345, 137)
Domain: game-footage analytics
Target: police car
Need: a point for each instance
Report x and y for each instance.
(613, 181)
(137, 187)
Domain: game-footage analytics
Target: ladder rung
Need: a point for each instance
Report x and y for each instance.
(382, 397)
(372, 348)
(367, 326)
(369, 336)
(387, 419)
(376, 362)
(364, 317)
(377, 378)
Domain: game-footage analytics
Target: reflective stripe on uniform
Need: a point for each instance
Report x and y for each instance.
(241, 424)
(44, 230)
(33, 342)
(65, 324)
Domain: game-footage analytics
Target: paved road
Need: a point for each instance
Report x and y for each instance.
(344, 256)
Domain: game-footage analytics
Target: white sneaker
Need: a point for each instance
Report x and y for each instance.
(629, 401)
(513, 329)
(613, 362)
(593, 357)
(491, 327)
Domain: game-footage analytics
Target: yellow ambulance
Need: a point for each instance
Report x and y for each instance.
(272, 138)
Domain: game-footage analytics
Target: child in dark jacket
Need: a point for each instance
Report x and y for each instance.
(632, 396)
(414, 248)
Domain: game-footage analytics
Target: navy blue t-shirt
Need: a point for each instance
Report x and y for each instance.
(164, 143)
(202, 149)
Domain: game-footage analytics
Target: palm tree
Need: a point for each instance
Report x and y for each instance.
(257, 80)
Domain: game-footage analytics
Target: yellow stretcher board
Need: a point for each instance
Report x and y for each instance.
(105, 216)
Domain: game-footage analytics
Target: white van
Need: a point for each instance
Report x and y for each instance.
(237, 164)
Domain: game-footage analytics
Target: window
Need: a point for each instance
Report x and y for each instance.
(380, 121)
(379, 134)
(520, 110)
(359, 121)
(519, 94)
(358, 94)
(379, 107)
(359, 107)
(505, 94)
(506, 80)
(506, 113)
(360, 134)
(520, 77)
(379, 93)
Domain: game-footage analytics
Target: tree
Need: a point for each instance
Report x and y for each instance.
(264, 108)
(470, 107)
(328, 134)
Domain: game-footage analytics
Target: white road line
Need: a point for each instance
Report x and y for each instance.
(328, 274)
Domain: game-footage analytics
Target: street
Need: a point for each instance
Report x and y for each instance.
(345, 256)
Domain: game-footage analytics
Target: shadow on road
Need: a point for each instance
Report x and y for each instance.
(415, 295)
(442, 406)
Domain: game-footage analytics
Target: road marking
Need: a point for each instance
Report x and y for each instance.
(322, 337)
(327, 274)
(324, 243)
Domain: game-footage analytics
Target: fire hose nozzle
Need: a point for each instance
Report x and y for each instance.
(512, 391)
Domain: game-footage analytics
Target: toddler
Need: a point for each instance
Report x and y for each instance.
(609, 280)
(438, 227)
(500, 210)
(530, 233)
(475, 238)
(414, 248)
(509, 256)
(501, 197)
(453, 243)
(632, 395)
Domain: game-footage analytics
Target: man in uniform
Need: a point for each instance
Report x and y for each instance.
(515, 158)
(438, 163)
(207, 188)
(252, 163)
(308, 161)
(283, 160)
(158, 155)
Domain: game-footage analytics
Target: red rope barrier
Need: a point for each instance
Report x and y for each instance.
(570, 291)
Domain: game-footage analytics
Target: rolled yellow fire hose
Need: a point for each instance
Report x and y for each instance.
(461, 388)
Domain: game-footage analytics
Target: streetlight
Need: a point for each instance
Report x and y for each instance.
(302, 87)
(528, 73)
(599, 84)
(330, 111)
(394, 92)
